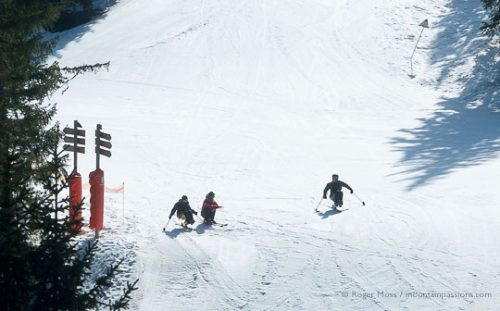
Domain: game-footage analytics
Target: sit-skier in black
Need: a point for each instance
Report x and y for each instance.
(335, 187)
(184, 212)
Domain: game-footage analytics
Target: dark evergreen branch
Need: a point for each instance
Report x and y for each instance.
(124, 300)
(75, 71)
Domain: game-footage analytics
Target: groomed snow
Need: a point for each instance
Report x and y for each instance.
(260, 102)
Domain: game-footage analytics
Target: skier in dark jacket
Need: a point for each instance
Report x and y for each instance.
(184, 211)
(335, 187)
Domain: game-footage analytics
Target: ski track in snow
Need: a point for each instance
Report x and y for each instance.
(260, 101)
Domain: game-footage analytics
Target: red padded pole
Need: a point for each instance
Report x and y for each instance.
(75, 199)
(96, 199)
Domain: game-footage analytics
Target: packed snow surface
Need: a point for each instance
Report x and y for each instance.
(261, 101)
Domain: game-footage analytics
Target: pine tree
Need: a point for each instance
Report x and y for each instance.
(42, 264)
(492, 27)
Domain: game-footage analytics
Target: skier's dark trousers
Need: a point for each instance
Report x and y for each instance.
(184, 211)
(209, 208)
(335, 187)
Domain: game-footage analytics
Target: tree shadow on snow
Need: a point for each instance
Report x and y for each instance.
(465, 130)
(74, 34)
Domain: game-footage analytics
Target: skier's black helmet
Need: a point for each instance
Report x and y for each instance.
(184, 197)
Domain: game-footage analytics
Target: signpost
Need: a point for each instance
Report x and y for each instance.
(74, 138)
(424, 24)
(75, 142)
(102, 140)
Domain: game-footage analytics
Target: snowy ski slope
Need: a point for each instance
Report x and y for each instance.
(261, 101)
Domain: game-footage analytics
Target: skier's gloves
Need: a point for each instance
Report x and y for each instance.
(195, 212)
(169, 217)
(352, 191)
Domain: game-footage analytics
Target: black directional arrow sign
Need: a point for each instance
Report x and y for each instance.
(104, 152)
(103, 143)
(71, 148)
(70, 131)
(102, 140)
(102, 135)
(74, 137)
(71, 140)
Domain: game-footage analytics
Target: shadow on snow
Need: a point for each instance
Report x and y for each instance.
(175, 232)
(464, 130)
(330, 212)
(200, 229)
(101, 8)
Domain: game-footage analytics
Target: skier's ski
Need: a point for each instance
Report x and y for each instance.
(335, 208)
(185, 227)
(216, 224)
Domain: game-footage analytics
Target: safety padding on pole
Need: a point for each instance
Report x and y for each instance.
(96, 199)
(75, 199)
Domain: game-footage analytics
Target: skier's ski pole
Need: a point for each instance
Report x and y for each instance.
(319, 203)
(167, 224)
(199, 217)
(359, 199)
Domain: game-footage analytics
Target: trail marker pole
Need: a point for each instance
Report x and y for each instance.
(424, 24)
(123, 202)
(74, 141)
(97, 188)
(102, 140)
